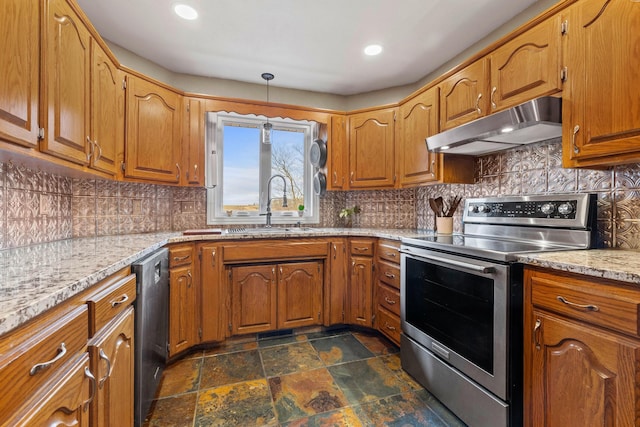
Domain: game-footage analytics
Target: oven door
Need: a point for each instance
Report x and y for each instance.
(457, 308)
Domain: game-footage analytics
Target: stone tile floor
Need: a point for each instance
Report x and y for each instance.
(332, 378)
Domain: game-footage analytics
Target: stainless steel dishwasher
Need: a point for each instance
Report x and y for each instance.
(152, 326)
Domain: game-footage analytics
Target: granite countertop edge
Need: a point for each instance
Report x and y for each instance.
(36, 278)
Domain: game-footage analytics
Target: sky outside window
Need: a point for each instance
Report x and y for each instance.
(241, 168)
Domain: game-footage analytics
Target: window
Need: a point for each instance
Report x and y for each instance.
(239, 168)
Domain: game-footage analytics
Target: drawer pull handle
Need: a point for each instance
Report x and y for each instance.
(536, 333)
(391, 254)
(40, 366)
(389, 327)
(389, 301)
(213, 258)
(124, 298)
(104, 357)
(181, 258)
(389, 275)
(478, 109)
(88, 374)
(361, 249)
(587, 307)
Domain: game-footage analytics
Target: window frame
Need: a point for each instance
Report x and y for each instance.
(214, 136)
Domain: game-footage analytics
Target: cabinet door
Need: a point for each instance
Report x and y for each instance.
(214, 296)
(253, 299)
(193, 146)
(418, 120)
(371, 147)
(19, 66)
(183, 314)
(581, 375)
(66, 82)
(337, 164)
(527, 67)
(299, 294)
(112, 362)
(464, 96)
(600, 98)
(107, 112)
(361, 291)
(336, 295)
(65, 402)
(152, 147)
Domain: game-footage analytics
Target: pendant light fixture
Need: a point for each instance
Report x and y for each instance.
(266, 128)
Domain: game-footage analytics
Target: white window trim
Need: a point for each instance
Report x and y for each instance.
(215, 123)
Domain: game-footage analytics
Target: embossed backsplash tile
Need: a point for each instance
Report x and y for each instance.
(38, 207)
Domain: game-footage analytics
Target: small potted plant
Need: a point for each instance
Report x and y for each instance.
(300, 210)
(346, 214)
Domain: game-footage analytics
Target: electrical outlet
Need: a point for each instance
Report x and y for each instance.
(380, 207)
(136, 207)
(187, 207)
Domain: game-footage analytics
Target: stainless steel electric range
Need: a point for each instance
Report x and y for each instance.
(461, 296)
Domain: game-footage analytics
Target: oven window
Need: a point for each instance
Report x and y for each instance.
(452, 307)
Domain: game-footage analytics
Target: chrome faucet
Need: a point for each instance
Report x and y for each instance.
(284, 197)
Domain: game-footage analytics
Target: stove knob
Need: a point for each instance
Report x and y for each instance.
(484, 208)
(472, 209)
(565, 209)
(548, 208)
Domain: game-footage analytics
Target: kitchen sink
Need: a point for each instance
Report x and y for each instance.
(270, 230)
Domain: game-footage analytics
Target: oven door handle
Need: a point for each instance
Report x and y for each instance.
(473, 267)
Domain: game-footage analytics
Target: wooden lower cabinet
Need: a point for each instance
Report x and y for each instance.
(64, 401)
(336, 284)
(183, 312)
(360, 293)
(213, 301)
(276, 296)
(581, 364)
(112, 362)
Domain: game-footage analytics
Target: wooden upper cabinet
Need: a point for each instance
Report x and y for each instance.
(193, 145)
(106, 143)
(371, 149)
(601, 95)
(527, 67)
(464, 96)
(418, 120)
(152, 146)
(66, 83)
(19, 66)
(338, 154)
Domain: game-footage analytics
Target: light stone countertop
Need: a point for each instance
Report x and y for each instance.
(615, 264)
(38, 277)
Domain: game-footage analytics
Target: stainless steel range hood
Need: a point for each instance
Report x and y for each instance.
(533, 121)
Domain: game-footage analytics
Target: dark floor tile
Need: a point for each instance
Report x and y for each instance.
(287, 359)
(243, 404)
(231, 368)
(340, 349)
(181, 377)
(443, 412)
(174, 411)
(231, 348)
(376, 343)
(400, 410)
(333, 332)
(305, 394)
(271, 342)
(367, 380)
(394, 363)
(341, 417)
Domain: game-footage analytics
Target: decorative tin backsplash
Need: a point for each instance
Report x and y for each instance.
(37, 206)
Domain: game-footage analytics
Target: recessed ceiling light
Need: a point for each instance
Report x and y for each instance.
(185, 12)
(373, 49)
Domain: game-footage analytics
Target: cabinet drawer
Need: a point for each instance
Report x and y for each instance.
(274, 250)
(33, 355)
(389, 298)
(389, 274)
(109, 301)
(389, 250)
(361, 247)
(389, 324)
(604, 305)
(180, 255)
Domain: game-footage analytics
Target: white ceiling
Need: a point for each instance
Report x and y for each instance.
(308, 44)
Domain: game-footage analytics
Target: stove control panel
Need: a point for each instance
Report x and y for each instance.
(560, 209)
